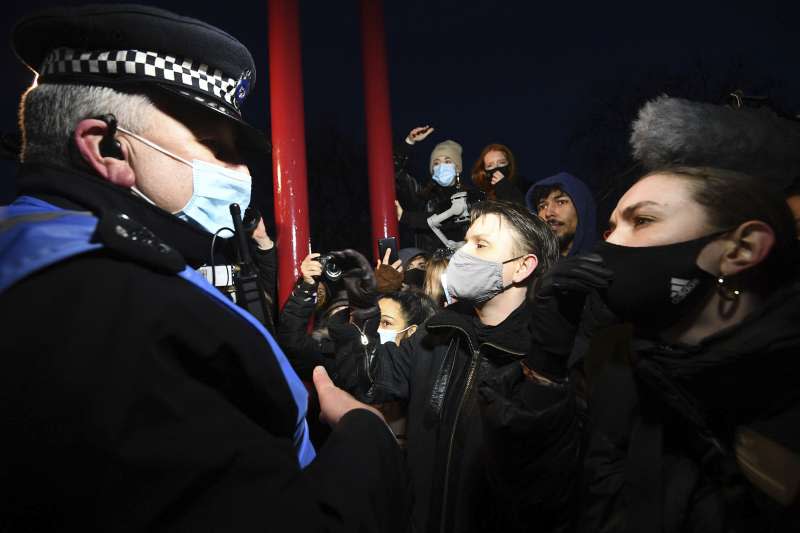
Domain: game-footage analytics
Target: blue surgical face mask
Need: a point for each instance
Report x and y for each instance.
(390, 335)
(214, 189)
(444, 174)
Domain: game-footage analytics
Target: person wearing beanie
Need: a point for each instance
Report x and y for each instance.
(445, 167)
(445, 164)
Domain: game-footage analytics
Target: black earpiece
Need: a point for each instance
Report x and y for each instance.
(109, 145)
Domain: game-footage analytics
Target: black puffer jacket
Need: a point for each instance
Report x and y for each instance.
(488, 450)
(674, 436)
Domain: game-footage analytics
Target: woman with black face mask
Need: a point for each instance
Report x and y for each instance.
(495, 174)
(699, 431)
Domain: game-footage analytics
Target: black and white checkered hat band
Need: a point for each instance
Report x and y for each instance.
(136, 64)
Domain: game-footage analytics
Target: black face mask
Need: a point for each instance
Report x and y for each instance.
(414, 277)
(655, 286)
(501, 170)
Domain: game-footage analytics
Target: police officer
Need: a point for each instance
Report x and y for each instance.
(134, 395)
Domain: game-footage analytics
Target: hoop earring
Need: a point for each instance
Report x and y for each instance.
(727, 292)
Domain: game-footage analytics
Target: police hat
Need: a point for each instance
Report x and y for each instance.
(125, 44)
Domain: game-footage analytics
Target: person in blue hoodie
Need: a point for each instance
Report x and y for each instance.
(567, 205)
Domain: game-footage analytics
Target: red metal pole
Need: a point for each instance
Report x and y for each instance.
(379, 122)
(288, 142)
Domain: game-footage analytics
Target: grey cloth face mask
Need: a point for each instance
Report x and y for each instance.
(472, 279)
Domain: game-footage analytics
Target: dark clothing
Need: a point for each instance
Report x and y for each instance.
(420, 199)
(303, 351)
(435, 199)
(337, 347)
(586, 232)
(338, 351)
(488, 450)
(267, 263)
(133, 401)
(406, 189)
(508, 191)
(665, 431)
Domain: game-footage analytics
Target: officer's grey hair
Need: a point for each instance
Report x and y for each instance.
(48, 114)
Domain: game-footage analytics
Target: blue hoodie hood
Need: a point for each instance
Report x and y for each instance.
(586, 232)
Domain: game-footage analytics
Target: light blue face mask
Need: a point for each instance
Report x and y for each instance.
(214, 189)
(390, 335)
(444, 174)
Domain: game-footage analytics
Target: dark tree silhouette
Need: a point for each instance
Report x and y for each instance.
(597, 149)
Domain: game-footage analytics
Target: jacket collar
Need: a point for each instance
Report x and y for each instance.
(510, 337)
(70, 188)
(745, 366)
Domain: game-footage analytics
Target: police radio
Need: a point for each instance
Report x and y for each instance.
(240, 279)
(250, 293)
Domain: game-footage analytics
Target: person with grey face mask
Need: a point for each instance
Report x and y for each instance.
(480, 390)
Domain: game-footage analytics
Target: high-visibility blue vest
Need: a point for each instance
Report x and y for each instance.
(35, 234)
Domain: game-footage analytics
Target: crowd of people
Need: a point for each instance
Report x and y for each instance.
(518, 366)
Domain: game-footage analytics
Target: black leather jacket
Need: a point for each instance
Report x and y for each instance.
(487, 449)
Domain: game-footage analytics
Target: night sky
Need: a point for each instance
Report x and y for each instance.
(558, 82)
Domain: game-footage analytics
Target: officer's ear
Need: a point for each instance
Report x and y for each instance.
(102, 152)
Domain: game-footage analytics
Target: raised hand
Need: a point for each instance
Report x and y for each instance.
(359, 280)
(418, 134)
(310, 268)
(261, 236)
(571, 279)
(389, 278)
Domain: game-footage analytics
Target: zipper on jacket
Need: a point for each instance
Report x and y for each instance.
(470, 378)
(476, 355)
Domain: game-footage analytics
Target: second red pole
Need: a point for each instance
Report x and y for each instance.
(379, 124)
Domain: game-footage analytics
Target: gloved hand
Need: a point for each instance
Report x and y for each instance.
(556, 311)
(570, 280)
(359, 279)
(389, 277)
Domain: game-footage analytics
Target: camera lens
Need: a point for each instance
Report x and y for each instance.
(332, 271)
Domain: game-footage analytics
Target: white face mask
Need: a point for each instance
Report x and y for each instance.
(390, 335)
(214, 189)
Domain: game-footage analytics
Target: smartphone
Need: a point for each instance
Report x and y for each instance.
(389, 243)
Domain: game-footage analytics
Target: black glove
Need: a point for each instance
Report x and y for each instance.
(359, 279)
(570, 280)
(557, 308)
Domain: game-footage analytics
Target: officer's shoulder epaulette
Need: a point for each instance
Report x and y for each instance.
(121, 234)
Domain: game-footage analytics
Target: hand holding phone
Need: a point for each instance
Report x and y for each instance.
(390, 243)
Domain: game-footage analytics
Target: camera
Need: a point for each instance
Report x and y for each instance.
(331, 269)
